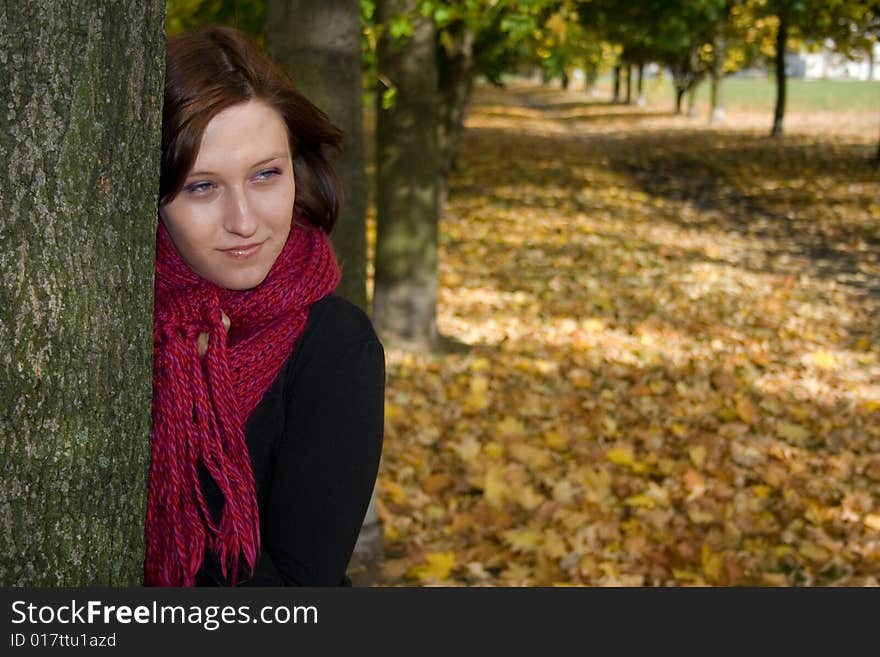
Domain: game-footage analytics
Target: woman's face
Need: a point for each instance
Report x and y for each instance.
(232, 217)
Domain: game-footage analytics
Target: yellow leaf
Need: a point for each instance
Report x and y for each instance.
(793, 433)
(478, 399)
(523, 540)
(437, 566)
(623, 455)
(479, 364)
(534, 457)
(493, 450)
(697, 455)
(395, 491)
(476, 402)
(467, 449)
(528, 498)
(872, 521)
(823, 360)
(727, 414)
(746, 409)
(813, 552)
(556, 440)
(678, 429)
(494, 487)
(761, 490)
(711, 564)
(563, 491)
(642, 501)
(392, 411)
(782, 551)
(699, 516)
(510, 426)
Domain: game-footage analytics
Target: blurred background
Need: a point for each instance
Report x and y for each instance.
(633, 338)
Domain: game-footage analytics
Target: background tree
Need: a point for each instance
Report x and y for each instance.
(407, 166)
(319, 43)
(843, 21)
(82, 98)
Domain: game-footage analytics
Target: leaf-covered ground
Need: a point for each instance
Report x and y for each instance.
(674, 365)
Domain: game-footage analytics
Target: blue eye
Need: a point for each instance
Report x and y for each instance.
(199, 187)
(266, 174)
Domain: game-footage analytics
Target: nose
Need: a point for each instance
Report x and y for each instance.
(239, 217)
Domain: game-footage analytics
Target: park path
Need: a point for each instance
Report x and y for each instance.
(674, 371)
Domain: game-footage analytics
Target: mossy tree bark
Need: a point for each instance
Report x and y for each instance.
(319, 43)
(81, 92)
(407, 167)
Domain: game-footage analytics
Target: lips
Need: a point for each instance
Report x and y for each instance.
(243, 251)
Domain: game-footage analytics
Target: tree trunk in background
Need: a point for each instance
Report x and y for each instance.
(679, 95)
(779, 113)
(407, 168)
(716, 98)
(319, 43)
(629, 76)
(455, 83)
(616, 98)
(80, 133)
(640, 85)
(692, 101)
(592, 75)
(877, 159)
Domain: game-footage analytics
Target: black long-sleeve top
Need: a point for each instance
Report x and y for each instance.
(314, 440)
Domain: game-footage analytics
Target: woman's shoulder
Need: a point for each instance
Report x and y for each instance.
(338, 338)
(336, 320)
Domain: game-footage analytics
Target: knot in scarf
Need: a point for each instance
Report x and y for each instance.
(201, 403)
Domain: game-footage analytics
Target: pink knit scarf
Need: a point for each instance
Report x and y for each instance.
(201, 403)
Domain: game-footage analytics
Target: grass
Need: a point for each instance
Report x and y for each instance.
(760, 93)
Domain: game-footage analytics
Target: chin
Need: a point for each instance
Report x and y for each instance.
(240, 281)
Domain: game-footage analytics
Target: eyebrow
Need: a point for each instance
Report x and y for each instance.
(253, 166)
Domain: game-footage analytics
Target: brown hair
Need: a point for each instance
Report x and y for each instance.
(212, 68)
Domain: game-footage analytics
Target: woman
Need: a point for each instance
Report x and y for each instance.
(267, 388)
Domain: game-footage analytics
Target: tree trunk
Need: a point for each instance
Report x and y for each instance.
(877, 159)
(716, 98)
(692, 101)
(564, 80)
(319, 43)
(408, 164)
(679, 95)
(629, 75)
(455, 83)
(640, 87)
(779, 113)
(616, 84)
(592, 75)
(79, 134)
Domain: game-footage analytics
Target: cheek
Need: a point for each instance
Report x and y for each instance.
(277, 207)
(190, 230)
